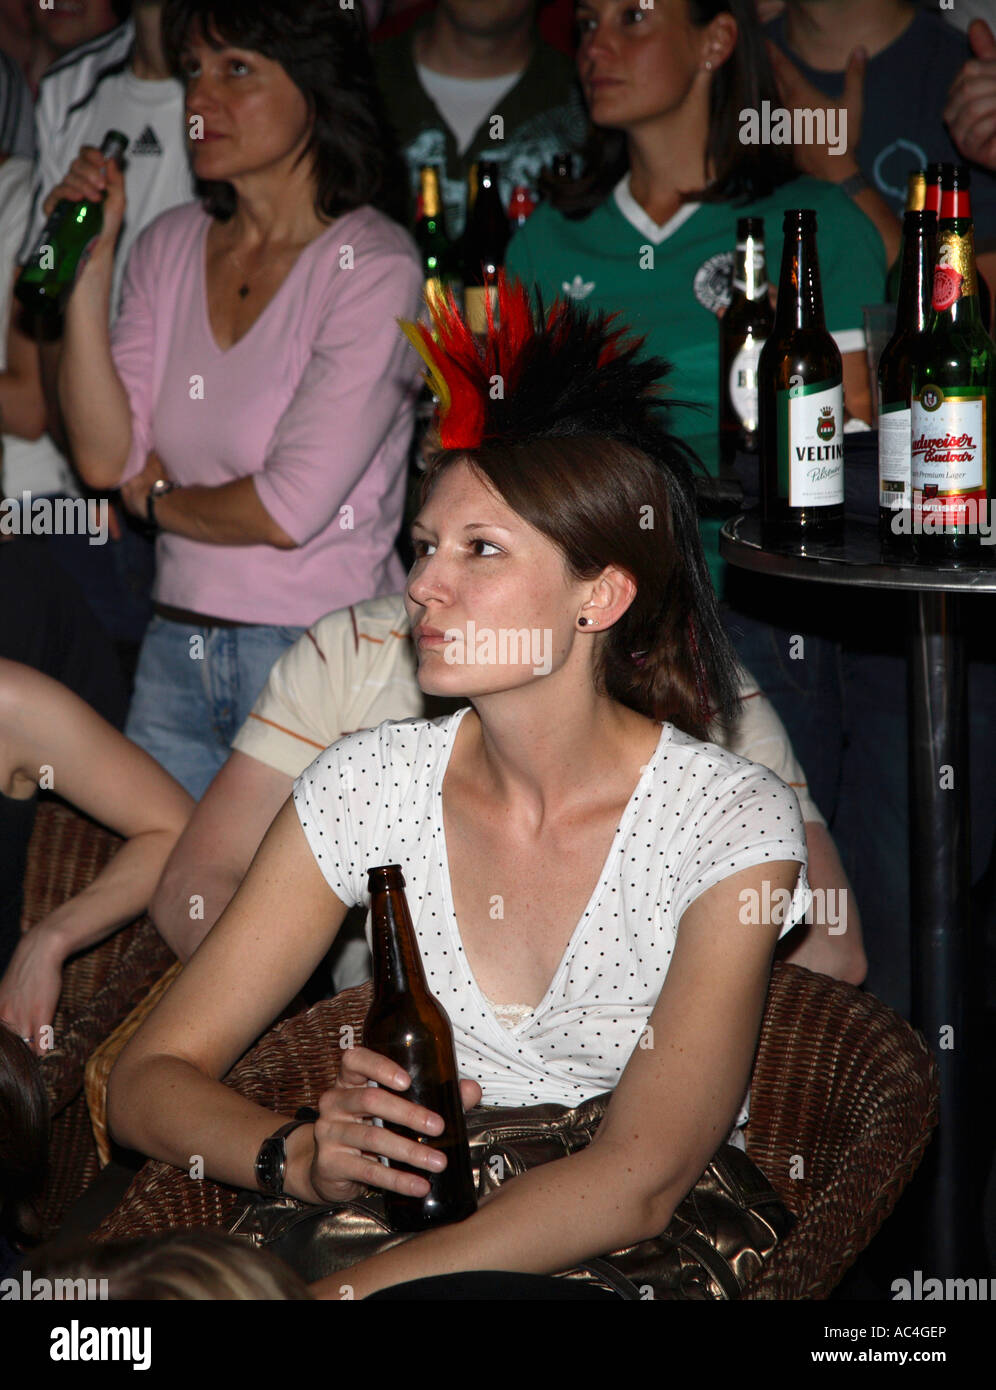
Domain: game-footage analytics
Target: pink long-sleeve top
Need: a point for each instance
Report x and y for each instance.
(315, 403)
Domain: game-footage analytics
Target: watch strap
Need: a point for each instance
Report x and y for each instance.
(274, 1148)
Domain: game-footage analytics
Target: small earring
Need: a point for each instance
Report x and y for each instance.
(585, 622)
(708, 65)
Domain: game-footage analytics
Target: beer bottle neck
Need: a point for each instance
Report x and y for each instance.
(750, 275)
(955, 298)
(800, 298)
(916, 278)
(397, 965)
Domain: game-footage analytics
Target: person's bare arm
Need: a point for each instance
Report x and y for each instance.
(165, 1097)
(210, 859)
(831, 944)
(674, 1105)
(836, 164)
(47, 730)
(22, 403)
(94, 403)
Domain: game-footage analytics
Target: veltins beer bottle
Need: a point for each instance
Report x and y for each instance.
(916, 199)
(61, 250)
(408, 1025)
(895, 495)
(953, 376)
(485, 239)
(430, 234)
(801, 399)
(743, 331)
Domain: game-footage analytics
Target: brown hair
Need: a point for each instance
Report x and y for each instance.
(604, 502)
(24, 1126)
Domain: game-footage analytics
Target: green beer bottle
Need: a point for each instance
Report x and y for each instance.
(64, 245)
(430, 234)
(800, 388)
(953, 389)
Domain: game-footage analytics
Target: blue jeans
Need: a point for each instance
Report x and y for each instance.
(194, 688)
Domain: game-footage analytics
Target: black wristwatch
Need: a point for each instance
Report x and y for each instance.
(271, 1161)
(158, 489)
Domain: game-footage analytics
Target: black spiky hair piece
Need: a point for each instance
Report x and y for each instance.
(568, 372)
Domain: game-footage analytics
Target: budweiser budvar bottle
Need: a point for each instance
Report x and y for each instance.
(743, 331)
(895, 370)
(952, 401)
(801, 399)
(409, 1025)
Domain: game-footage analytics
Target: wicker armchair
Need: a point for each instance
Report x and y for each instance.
(839, 1081)
(100, 986)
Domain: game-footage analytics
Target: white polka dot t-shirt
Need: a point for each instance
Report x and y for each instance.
(697, 815)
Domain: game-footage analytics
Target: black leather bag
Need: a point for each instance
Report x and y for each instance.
(713, 1246)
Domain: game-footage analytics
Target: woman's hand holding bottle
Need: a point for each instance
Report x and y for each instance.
(91, 176)
(345, 1156)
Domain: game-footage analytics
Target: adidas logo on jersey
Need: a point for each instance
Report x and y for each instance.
(146, 143)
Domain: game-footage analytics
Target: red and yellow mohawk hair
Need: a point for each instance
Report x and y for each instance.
(473, 383)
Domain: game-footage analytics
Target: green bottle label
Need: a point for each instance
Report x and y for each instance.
(811, 444)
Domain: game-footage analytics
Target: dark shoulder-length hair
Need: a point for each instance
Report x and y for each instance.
(576, 444)
(324, 50)
(742, 172)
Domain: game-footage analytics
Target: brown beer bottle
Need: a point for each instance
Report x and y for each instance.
(743, 331)
(408, 1025)
(801, 399)
(952, 392)
(894, 372)
(916, 199)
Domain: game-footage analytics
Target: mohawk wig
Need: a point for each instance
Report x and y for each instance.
(559, 412)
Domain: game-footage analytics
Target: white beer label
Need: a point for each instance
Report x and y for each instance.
(948, 448)
(894, 475)
(816, 448)
(743, 382)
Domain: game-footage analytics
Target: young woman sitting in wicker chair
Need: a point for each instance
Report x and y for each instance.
(576, 791)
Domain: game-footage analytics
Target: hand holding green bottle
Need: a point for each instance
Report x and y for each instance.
(84, 213)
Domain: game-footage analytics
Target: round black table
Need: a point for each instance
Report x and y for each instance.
(940, 870)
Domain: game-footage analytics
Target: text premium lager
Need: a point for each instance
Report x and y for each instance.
(743, 331)
(801, 398)
(61, 250)
(409, 1025)
(954, 372)
(895, 368)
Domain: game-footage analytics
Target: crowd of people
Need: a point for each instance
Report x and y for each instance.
(230, 378)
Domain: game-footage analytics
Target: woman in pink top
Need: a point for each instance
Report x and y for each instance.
(255, 398)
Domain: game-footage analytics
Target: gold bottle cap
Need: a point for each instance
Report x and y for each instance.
(429, 183)
(916, 191)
